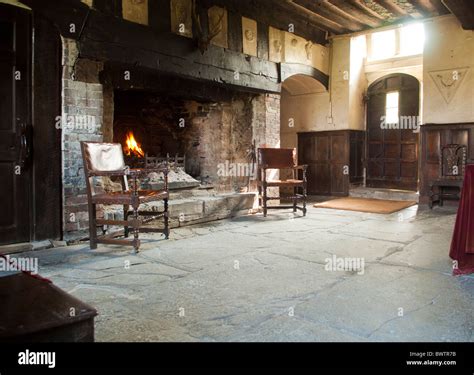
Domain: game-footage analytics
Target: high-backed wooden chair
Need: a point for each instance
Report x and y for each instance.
(281, 159)
(452, 165)
(106, 160)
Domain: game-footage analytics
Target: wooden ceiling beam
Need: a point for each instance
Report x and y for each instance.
(392, 7)
(315, 18)
(425, 7)
(356, 12)
(360, 5)
(439, 6)
(327, 10)
(463, 10)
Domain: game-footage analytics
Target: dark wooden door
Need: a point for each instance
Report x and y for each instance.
(327, 156)
(392, 148)
(15, 117)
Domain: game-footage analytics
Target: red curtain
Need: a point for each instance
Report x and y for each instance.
(462, 244)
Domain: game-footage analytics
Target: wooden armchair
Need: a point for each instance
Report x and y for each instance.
(281, 159)
(106, 160)
(452, 165)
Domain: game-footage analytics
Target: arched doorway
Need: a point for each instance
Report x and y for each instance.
(392, 132)
(305, 105)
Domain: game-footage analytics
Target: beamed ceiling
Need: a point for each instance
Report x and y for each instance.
(347, 16)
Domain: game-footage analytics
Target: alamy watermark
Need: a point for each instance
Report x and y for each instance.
(76, 123)
(229, 169)
(8, 263)
(345, 264)
(402, 123)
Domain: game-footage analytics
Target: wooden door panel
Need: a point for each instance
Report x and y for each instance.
(338, 179)
(6, 188)
(321, 150)
(409, 169)
(409, 152)
(339, 148)
(391, 169)
(323, 179)
(392, 151)
(460, 137)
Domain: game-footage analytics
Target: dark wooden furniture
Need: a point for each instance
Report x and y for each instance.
(334, 159)
(281, 159)
(433, 138)
(392, 149)
(106, 160)
(34, 310)
(451, 173)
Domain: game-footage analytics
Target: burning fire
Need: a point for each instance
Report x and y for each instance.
(132, 146)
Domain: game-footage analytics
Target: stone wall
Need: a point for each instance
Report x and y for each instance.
(81, 120)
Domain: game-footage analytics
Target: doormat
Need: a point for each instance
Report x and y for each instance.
(376, 206)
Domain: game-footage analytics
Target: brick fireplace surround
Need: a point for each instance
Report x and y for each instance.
(217, 132)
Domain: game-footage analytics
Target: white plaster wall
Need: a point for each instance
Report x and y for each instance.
(448, 47)
(339, 82)
(357, 82)
(309, 113)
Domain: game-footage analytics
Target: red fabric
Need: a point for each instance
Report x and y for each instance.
(462, 244)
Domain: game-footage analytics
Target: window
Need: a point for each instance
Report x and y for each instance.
(383, 45)
(412, 39)
(391, 107)
(404, 41)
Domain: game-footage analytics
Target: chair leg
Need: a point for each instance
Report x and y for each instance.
(264, 201)
(305, 193)
(295, 199)
(92, 226)
(125, 217)
(136, 230)
(166, 218)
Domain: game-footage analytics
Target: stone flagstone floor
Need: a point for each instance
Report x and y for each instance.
(257, 279)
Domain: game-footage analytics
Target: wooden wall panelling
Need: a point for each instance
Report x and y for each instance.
(329, 156)
(433, 138)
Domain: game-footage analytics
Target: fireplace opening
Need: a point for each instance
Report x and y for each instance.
(202, 138)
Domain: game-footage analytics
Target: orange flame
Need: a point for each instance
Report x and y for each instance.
(132, 146)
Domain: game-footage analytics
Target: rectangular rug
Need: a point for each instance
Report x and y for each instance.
(376, 206)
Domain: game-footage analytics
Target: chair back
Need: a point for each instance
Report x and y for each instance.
(453, 162)
(277, 158)
(102, 157)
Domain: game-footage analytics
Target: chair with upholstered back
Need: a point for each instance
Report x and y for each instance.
(106, 160)
(280, 159)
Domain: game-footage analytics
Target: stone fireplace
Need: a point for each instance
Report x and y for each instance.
(216, 135)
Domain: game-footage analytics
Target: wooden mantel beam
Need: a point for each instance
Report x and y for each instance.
(111, 39)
